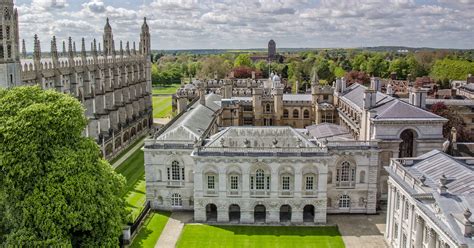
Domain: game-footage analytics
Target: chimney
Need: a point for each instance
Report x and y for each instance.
(343, 85)
(417, 97)
(390, 89)
(467, 223)
(442, 189)
(232, 74)
(370, 98)
(253, 74)
(338, 85)
(375, 84)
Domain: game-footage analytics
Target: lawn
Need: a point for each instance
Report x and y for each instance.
(259, 236)
(133, 170)
(166, 89)
(161, 106)
(150, 230)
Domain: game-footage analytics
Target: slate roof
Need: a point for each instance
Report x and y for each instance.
(197, 118)
(297, 97)
(459, 172)
(328, 130)
(387, 107)
(469, 87)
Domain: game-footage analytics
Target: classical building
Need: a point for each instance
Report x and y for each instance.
(113, 85)
(430, 201)
(241, 150)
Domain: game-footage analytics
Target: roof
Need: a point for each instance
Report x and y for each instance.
(260, 137)
(469, 87)
(328, 130)
(194, 122)
(298, 97)
(446, 210)
(387, 107)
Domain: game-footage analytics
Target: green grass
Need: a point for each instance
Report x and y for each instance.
(122, 153)
(161, 106)
(166, 89)
(151, 230)
(259, 236)
(134, 171)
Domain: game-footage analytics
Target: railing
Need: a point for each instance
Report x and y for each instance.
(348, 184)
(259, 193)
(175, 183)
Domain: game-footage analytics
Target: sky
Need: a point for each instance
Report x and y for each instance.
(240, 24)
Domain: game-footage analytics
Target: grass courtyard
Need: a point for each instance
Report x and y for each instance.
(151, 230)
(259, 236)
(133, 170)
(171, 89)
(161, 106)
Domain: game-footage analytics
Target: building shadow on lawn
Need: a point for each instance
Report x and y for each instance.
(328, 231)
(359, 225)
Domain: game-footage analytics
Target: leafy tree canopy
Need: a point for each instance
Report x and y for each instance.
(55, 189)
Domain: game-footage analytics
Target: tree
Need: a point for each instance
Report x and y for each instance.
(243, 60)
(450, 69)
(400, 67)
(214, 64)
(377, 66)
(454, 120)
(57, 190)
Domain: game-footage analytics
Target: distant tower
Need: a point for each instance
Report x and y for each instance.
(108, 39)
(9, 45)
(271, 50)
(145, 40)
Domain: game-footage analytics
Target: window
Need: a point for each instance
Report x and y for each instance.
(397, 203)
(325, 97)
(285, 113)
(327, 117)
(8, 32)
(306, 114)
(395, 231)
(177, 173)
(345, 174)
(211, 182)
(296, 114)
(260, 178)
(176, 200)
(404, 241)
(1, 33)
(309, 183)
(344, 201)
(234, 182)
(285, 182)
(268, 108)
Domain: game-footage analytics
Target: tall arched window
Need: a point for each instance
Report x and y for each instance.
(345, 175)
(260, 181)
(176, 200)
(175, 172)
(285, 113)
(306, 114)
(296, 114)
(344, 201)
(268, 109)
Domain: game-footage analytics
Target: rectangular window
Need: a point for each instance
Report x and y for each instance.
(268, 183)
(234, 182)
(168, 172)
(8, 32)
(251, 182)
(285, 183)
(210, 182)
(395, 231)
(309, 183)
(259, 184)
(182, 173)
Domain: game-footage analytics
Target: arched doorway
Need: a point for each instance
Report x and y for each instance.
(234, 213)
(259, 214)
(211, 212)
(308, 213)
(285, 214)
(407, 145)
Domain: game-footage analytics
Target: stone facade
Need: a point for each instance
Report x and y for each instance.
(114, 86)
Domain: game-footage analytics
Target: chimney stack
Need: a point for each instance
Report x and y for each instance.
(370, 98)
(417, 97)
(375, 84)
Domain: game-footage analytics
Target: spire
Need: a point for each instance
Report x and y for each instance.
(74, 48)
(127, 48)
(37, 50)
(107, 25)
(315, 77)
(54, 52)
(64, 49)
(23, 48)
(70, 51)
(83, 50)
(121, 49)
(134, 49)
(94, 48)
(145, 40)
(100, 49)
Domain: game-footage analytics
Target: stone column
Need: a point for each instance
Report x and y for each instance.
(274, 183)
(245, 184)
(431, 238)
(222, 183)
(419, 231)
(200, 214)
(298, 184)
(388, 227)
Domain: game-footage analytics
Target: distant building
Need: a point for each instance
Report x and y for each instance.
(272, 50)
(429, 201)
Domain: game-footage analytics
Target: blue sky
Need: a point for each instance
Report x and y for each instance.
(186, 24)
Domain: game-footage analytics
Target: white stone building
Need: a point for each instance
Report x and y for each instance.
(429, 204)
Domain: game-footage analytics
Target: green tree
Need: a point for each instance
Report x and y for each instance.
(400, 67)
(377, 66)
(57, 189)
(243, 60)
(450, 69)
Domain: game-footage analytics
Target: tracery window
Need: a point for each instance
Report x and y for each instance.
(345, 175)
(306, 114)
(259, 180)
